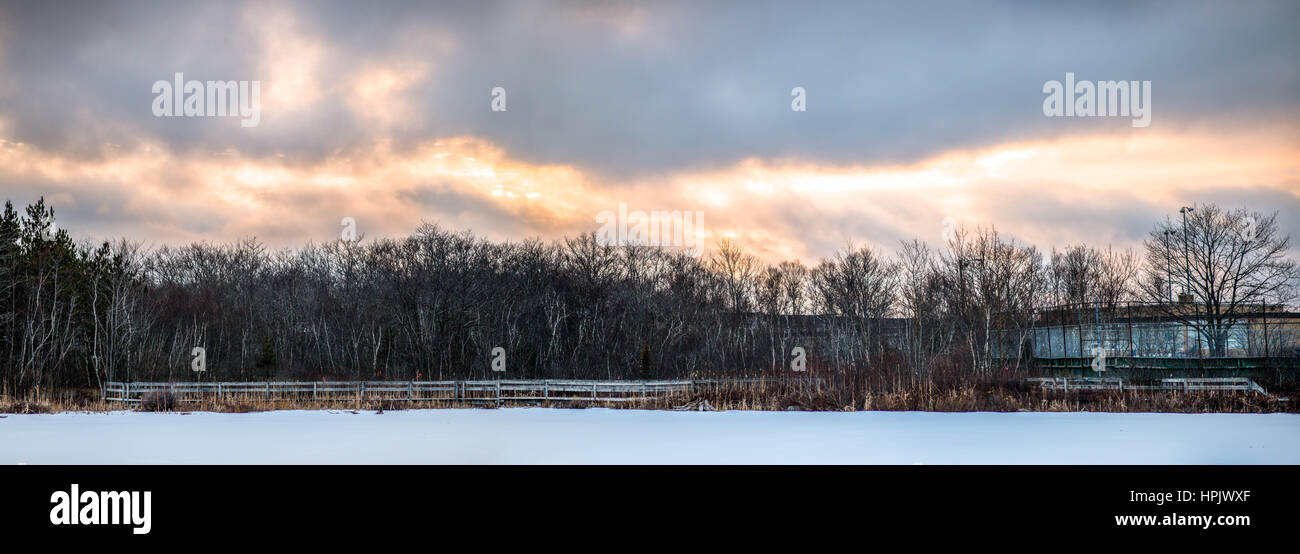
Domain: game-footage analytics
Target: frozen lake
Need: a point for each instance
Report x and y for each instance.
(603, 436)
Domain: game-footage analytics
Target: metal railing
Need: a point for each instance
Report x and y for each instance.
(1084, 383)
(1197, 384)
(1239, 384)
(1145, 330)
(472, 392)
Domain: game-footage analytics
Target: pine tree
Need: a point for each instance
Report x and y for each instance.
(645, 360)
(267, 362)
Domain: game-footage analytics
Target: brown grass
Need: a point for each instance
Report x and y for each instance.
(64, 400)
(161, 400)
(934, 395)
(975, 397)
(25, 406)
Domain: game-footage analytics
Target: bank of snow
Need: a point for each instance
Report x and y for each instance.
(602, 436)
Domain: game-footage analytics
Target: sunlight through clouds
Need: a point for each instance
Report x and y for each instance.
(778, 209)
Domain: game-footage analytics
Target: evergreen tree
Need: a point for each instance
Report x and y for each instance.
(645, 360)
(266, 362)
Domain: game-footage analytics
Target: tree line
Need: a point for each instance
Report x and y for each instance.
(435, 304)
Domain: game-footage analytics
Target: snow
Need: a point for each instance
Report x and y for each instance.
(605, 436)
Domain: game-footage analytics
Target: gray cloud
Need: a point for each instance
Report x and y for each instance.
(627, 92)
(641, 88)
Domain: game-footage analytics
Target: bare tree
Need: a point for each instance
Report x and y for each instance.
(434, 304)
(738, 270)
(1228, 262)
(860, 285)
(920, 301)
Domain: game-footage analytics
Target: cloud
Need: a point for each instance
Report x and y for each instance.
(915, 113)
(1050, 193)
(632, 90)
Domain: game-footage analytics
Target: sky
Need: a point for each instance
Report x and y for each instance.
(917, 115)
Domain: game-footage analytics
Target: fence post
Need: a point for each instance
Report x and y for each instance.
(1065, 340)
(1078, 321)
(1132, 348)
(1047, 332)
(1267, 355)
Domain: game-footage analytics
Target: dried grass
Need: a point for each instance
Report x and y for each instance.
(980, 397)
(161, 400)
(898, 393)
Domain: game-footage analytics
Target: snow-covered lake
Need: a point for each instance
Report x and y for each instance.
(603, 436)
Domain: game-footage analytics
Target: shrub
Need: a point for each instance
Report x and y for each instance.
(25, 407)
(231, 406)
(160, 400)
(77, 398)
(386, 404)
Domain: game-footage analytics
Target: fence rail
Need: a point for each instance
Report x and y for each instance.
(1162, 332)
(558, 390)
(471, 392)
(1173, 384)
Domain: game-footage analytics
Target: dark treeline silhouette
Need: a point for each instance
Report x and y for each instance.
(436, 304)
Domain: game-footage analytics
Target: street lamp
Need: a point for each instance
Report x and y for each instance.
(1169, 274)
(1187, 265)
(961, 275)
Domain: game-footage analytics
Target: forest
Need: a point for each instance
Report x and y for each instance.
(435, 304)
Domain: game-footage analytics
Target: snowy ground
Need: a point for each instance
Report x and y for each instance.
(601, 436)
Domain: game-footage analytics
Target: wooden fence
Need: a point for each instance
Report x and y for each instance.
(558, 390)
(455, 392)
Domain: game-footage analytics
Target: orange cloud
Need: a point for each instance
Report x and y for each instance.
(780, 210)
(292, 59)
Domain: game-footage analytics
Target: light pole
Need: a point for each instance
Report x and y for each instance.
(1187, 266)
(1169, 274)
(961, 275)
(961, 263)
